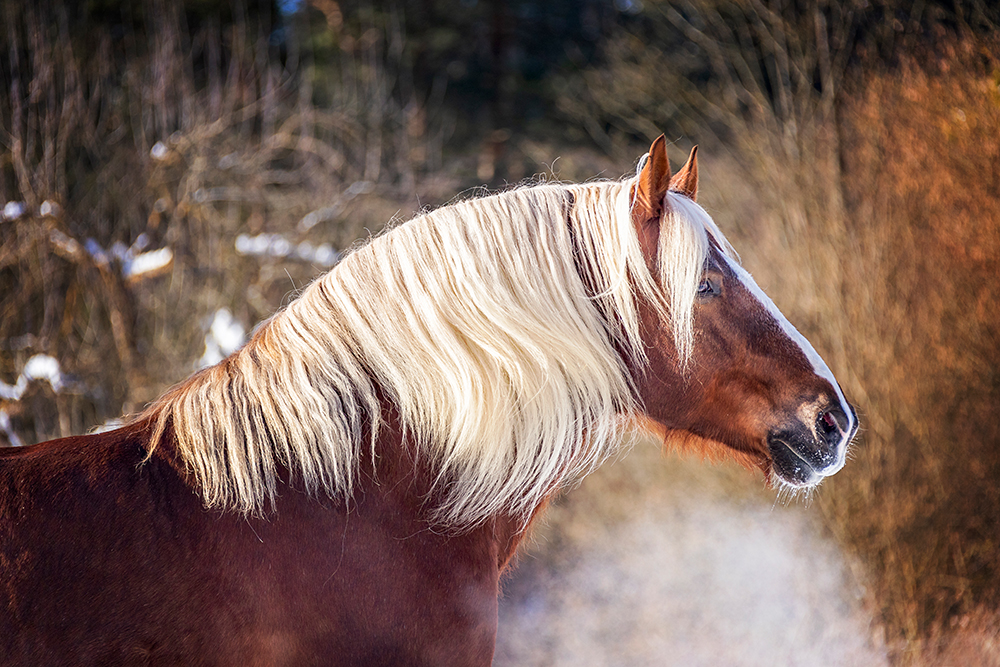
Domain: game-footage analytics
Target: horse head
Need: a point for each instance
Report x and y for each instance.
(750, 384)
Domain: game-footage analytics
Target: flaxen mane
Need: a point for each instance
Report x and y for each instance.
(474, 320)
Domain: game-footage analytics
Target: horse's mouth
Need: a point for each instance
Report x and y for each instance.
(801, 455)
(802, 467)
(790, 466)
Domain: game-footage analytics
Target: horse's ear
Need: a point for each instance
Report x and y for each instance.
(652, 184)
(685, 181)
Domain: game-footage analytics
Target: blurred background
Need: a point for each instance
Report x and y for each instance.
(173, 172)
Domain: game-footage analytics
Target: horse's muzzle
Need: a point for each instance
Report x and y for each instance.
(803, 454)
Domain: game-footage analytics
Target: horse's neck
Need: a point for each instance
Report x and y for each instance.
(402, 476)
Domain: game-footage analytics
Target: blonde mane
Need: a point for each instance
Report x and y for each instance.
(474, 320)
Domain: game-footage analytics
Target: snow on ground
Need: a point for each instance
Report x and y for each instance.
(660, 561)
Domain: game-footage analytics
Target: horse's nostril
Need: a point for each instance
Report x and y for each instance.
(828, 424)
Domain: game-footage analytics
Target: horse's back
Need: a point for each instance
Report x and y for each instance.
(109, 558)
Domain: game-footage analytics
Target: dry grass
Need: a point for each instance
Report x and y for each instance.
(897, 285)
(184, 139)
(924, 195)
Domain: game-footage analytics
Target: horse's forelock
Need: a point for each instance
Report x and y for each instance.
(684, 241)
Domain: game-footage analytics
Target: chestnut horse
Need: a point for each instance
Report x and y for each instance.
(348, 488)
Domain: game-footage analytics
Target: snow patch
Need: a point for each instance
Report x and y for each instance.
(278, 246)
(225, 336)
(8, 429)
(39, 367)
(13, 210)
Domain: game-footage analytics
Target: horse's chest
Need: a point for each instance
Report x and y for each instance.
(357, 591)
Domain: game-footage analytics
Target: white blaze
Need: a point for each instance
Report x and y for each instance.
(819, 366)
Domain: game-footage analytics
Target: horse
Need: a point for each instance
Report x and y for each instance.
(350, 486)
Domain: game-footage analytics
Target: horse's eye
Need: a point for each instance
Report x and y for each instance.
(707, 288)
